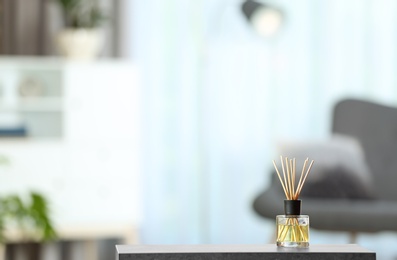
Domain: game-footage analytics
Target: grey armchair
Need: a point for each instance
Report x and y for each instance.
(375, 127)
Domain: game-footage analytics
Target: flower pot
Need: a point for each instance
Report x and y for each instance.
(80, 44)
(23, 251)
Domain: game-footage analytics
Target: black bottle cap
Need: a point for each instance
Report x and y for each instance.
(292, 207)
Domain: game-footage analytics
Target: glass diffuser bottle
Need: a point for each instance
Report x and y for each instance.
(292, 227)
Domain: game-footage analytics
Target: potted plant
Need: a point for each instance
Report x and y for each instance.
(82, 36)
(30, 218)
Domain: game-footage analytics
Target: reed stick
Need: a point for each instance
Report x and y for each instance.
(279, 177)
(285, 180)
(304, 179)
(288, 178)
(300, 179)
(293, 163)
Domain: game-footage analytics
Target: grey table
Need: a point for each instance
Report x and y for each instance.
(241, 252)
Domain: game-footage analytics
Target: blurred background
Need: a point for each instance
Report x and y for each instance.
(167, 133)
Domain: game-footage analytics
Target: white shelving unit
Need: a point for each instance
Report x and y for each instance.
(81, 146)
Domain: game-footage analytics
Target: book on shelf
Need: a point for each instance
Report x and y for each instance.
(19, 131)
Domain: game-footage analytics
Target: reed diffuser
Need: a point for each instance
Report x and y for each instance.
(292, 227)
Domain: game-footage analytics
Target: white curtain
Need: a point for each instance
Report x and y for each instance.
(217, 99)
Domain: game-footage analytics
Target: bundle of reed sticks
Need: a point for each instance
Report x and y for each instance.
(291, 187)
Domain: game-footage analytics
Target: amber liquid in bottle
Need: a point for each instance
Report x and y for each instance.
(293, 230)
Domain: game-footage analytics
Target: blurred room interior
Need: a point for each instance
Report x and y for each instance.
(162, 127)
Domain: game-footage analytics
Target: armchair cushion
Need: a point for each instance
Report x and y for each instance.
(338, 183)
(339, 169)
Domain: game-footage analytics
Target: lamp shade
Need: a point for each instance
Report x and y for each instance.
(265, 18)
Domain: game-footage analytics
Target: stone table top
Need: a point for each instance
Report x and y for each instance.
(242, 252)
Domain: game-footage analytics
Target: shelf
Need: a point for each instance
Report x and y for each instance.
(46, 104)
